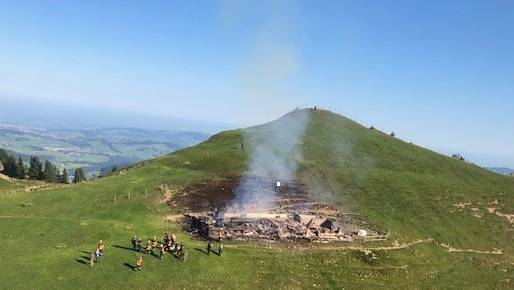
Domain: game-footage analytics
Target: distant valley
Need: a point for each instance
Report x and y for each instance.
(95, 150)
(501, 170)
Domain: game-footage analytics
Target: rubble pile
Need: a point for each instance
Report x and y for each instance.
(294, 216)
(272, 227)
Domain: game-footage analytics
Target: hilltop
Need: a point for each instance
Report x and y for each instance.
(449, 219)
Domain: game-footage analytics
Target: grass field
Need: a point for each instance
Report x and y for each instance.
(46, 232)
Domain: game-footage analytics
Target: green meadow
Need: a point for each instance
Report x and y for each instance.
(444, 233)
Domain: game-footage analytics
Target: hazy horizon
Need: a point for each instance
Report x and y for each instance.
(121, 119)
(438, 74)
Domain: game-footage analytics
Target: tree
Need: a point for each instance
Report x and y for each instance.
(47, 171)
(79, 175)
(11, 168)
(64, 176)
(3, 155)
(114, 168)
(21, 168)
(35, 169)
(50, 173)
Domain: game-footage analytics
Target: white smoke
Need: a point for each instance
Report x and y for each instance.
(267, 78)
(275, 150)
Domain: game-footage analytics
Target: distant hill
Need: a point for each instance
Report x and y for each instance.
(501, 170)
(93, 149)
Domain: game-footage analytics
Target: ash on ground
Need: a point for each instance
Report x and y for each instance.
(295, 216)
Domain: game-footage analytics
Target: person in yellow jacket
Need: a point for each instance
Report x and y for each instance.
(139, 263)
(162, 251)
(101, 246)
(148, 248)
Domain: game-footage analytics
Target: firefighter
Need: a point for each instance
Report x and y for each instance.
(221, 233)
(148, 248)
(98, 254)
(134, 243)
(162, 250)
(168, 245)
(179, 249)
(209, 247)
(101, 247)
(139, 263)
(220, 249)
(139, 244)
(167, 238)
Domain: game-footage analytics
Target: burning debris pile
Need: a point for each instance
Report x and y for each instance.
(285, 227)
(294, 216)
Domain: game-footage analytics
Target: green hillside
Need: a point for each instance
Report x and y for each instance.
(429, 199)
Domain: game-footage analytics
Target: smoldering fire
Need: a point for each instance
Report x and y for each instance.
(293, 216)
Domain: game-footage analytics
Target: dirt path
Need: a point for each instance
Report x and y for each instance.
(450, 249)
(395, 246)
(355, 248)
(368, 250)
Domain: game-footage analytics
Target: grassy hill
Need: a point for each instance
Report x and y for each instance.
(444, 233)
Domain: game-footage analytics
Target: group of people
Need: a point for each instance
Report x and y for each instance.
(95, 255)
(169, 244)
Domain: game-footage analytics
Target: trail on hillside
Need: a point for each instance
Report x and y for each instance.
(397, 246)
(450, 249)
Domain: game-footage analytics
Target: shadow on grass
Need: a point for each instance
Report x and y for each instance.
(82, 262)
(174, 254)
(133, 268)
(126, 248)
(202, 251)
(135, 250)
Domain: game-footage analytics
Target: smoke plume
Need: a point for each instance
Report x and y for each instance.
(275, 150)
(267, 79)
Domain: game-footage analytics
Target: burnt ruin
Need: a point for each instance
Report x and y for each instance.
(294, 216)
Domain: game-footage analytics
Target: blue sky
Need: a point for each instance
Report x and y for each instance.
(438, 73)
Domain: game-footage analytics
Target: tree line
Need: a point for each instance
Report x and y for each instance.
(36, 169)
